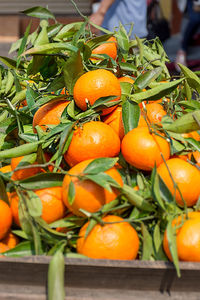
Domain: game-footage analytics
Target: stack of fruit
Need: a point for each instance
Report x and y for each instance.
(99, 147)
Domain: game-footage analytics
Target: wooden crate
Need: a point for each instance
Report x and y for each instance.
(88, 279)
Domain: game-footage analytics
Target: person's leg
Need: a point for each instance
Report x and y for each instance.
(191, 28)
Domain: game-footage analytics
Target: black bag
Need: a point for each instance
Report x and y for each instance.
(157, 25)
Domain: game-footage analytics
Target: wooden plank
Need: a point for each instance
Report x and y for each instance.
(25, 278)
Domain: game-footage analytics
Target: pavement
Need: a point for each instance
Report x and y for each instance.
(4, 49)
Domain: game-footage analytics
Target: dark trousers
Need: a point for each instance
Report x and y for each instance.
(192, 27)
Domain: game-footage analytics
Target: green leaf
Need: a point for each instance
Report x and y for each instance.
(104, 180)
(57, 247)
(105, 102)
(85, 50)
(140, 47)
(90, 226)
(20, 96)
(71, 193)
(171, 237)
(53, 29)
(3, 193)
(57, 84)
(176, 147)
(71, 109)
(185, 123)
(31, 96)
(56, 277)
(130, 115)
(156, 93)
(23, 44)
(123, 41)
(42, 38)
(147, 246)
(9, 82)
(165, 192)
(97, 41)
(68, 30)
(39, 12)
(192, 104)
(125, 66)
(68, 222)
(109, 206)
(145, 79)
(193, 143)
(16, 81)
(64, 137)
(157, 242)
(24, 217)
(100, 165)
(192, 79)
(50, 48)
(47, 234)
(27, 160)
(135, 199)
(188, 91)
(10, 63)
(80, 33)
(21, 150)
(46, 179)
(34, 204)
(21, 250)
(156, 188)
(20, 233)
(72, 69)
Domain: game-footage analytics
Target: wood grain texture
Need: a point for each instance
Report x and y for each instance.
(87, 279)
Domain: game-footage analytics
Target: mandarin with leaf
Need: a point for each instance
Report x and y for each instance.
(116, 239)
(143, 149)
(96, 84)
(93, 139)
(88, 195)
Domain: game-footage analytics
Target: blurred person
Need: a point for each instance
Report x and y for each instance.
(111, 12)
(95, 5)
(193, 10)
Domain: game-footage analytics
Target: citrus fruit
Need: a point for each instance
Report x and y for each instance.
(108, 47)
(196, 155)
(187, 178)
(155, 112)
(93, 139)
(88, 195)
(11, 240)
(22, 173)
(110, 241)
(3, 247)
(114, 120)
(142, 149)
(49, 114)
(187, 237)
(6, 169)
(126, 79)
(5, 219)
(52, 204)
(14, 201)
(193, 134)
(96, 84)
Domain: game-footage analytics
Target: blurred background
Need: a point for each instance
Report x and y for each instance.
(13, 23)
